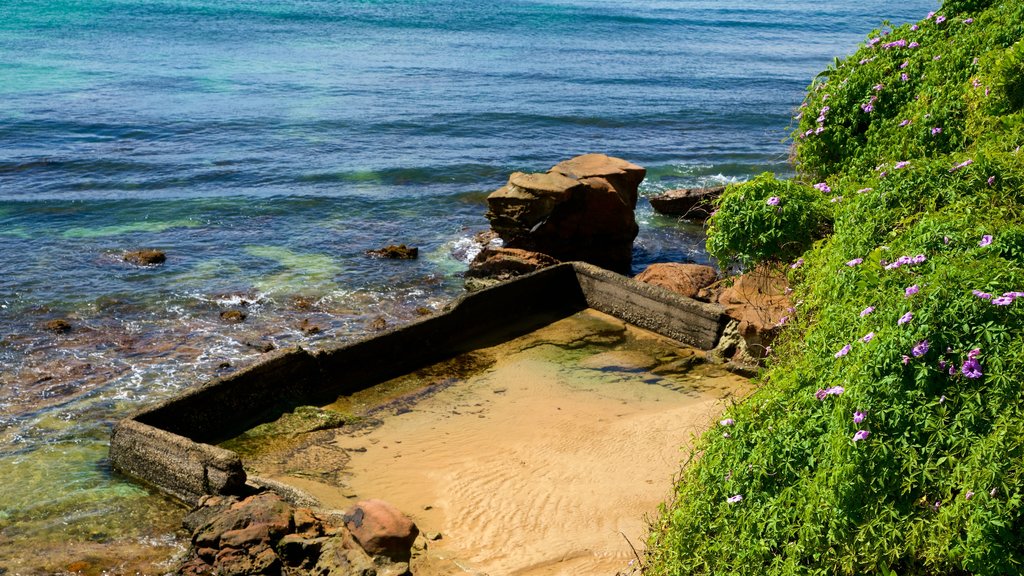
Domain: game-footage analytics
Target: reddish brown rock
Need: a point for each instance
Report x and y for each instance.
(505, 263)
(381, 529)
(689, 203)
(263, 534)
(757, 300)
(581, 209)
(145, 257)
(686, 279)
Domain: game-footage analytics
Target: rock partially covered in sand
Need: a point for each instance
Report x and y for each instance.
(263, 534)
(396, 252)
(145, 257)
(581, 209)
(689, 203)
(381, 529)
(685, 279)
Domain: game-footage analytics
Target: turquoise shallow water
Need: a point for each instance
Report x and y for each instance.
(266, 145)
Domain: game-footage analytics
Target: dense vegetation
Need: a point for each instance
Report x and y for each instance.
(887, 436)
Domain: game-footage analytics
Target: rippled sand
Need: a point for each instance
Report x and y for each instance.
(545, 461)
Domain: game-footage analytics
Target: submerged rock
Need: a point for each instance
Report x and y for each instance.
(396, 252)
(58, 326)
(145, 257)
(685, 279)
(233, 316)
(581, 209)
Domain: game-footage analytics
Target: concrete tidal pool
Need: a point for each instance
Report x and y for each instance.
(527, 429)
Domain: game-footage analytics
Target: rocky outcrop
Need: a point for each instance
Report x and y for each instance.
(758, 302)
(688, 203)
(145, 257)
(581, 209)
(685, 279)
(494, 265)
(263, 534)
(395, 252)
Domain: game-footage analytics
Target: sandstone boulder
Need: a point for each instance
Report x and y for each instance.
(581, 209)
(493, 265)
(757, 300)
(685, 279)
(381, 529)
(263, 534)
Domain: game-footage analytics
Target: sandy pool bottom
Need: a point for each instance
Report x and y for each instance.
(548, 460)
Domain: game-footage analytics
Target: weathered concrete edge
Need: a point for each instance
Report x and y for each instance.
(163, 445)
(689, 321)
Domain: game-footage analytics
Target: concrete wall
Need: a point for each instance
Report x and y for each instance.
(169, 445)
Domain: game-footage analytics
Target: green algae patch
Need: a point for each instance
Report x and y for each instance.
(300, 270)
(886, 434)
(145, 226)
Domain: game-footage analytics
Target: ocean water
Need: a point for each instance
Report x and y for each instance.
(266, 145)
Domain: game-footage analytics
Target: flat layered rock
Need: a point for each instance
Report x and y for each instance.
(689, 203)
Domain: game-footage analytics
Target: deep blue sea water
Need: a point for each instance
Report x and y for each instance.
(266, 145)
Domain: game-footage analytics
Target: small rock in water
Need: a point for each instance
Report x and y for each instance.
(260, 346)
(379, 323)
(233, 316)
(393, 252)
(145, 257)
(302, 303)
(308, 327)
(59, 326)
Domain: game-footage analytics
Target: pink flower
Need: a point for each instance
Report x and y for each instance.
(911, 290)
(861, 435)
(843, 351)
(963, 164)
(982, 295)
(734, 499)
(969, 21)
(905, 64)
(799, 262)
(867, 311)
(901, 165)
(859, 416)
(991, 180)
(905, 123)
(905, 318)
(727, 422)
(985, 240)
(868, 337)
(773, 201)
(940, 19)
(854, 262)
(823, 186)
(936, 131)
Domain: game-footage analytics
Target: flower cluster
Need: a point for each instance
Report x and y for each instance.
(823, 186)
(821, 394)
(906, 261)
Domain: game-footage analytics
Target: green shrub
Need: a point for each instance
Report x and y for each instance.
(927, 246)
(767, 220)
